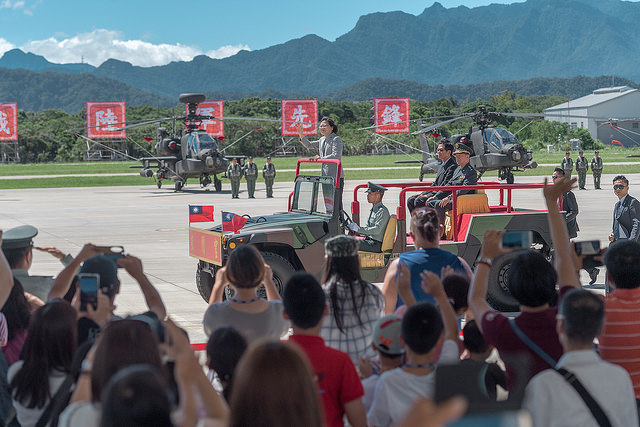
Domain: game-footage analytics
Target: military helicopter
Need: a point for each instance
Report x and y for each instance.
(494, 148)
(193, 155)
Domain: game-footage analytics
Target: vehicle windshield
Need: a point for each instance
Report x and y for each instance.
(313, 195)
(499, 137)
(206, 142)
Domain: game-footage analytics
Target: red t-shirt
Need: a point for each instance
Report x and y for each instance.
(539, 327)
(337, 379)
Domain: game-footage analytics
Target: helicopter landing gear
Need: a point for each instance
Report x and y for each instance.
(159, 183)
(507, 175)
(205, 180)
(217, 184)
(510, 178)
(179, 185)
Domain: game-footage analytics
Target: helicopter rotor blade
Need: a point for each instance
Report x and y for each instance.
(150, 122)
(437, 125)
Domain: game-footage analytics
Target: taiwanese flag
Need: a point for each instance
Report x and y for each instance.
(200, 213)
(232, 222)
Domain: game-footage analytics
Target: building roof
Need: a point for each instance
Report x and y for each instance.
(597, 97)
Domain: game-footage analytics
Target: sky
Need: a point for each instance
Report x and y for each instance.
(148, 33)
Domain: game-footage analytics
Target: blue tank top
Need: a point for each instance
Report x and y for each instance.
(432, 259)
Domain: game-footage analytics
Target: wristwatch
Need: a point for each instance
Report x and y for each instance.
(484, 260)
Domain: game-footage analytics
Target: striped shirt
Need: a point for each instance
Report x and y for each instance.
(620, 337)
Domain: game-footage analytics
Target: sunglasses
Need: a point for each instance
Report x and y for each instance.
(618, 187)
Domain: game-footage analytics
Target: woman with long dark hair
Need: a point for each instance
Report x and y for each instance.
(16, 311)
(47, 355)
(354, 303)
(275, 386)
(425, 230)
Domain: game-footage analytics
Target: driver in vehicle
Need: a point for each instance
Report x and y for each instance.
(377, 222)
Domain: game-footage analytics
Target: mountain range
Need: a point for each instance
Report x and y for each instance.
(456, 46)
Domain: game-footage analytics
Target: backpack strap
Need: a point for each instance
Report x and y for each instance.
(62, 392)
(533, 346)
(594, 407)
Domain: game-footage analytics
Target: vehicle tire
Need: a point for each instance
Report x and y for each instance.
(178, 186)
(204, 283)
(498, 295)
(159, 183)
(282, 270)
(218, 185)
(510, 178)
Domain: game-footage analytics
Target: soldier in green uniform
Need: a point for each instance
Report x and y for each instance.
(234, 172)
(251, 175)
(17, 245)
(596, 169)
(567, 165)
(269, 175)
(377, 222)
(582, 166)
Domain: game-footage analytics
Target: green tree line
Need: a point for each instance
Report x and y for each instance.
(54, 136)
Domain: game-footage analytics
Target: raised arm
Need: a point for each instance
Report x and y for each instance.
(563, 257)
(389, 289)
(64, 279)
(151, 295)
(477, 297)
(432, 285)
(269, 286)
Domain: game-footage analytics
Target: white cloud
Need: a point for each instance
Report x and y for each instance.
(9, 4)
(99, 45)
(228, 50)
(5, 45)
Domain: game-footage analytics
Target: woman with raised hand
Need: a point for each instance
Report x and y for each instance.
(250, 314)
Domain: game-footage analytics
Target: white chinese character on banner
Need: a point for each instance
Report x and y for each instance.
(207, 111)
(106, 118)
(298, 116)
(391, 114)
(3, 123)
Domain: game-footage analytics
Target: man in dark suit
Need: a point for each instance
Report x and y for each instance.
(626, 214)
(464, 174)
(444, 174)
(569, 205)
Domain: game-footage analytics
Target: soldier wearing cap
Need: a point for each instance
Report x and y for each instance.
(596, 169)
(269, 175)
(377, 222)
(567, 165)
(582, 166)
(17, 245)
(234, 172)
(464, 174)
(251, 175)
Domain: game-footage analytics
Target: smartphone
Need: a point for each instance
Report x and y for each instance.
(114, 253)
(591, 247)
(114, 257)
(516, 240)
(89, 285)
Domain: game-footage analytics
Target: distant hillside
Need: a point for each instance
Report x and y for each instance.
(35, 91)
(17, 59)
(573, 88)
(457, 46)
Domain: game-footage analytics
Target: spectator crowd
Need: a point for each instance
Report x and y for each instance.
(335, 352)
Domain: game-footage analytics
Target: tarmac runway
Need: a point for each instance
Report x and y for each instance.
(152, 224)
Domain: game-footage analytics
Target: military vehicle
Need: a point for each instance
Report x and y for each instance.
(294, 240)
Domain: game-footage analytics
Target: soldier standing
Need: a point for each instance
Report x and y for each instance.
(582, 166)
(596, 169)
(234, 172)
(567, 165)
(269, 175)
(251, 174)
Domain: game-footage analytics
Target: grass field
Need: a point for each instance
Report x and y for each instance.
(374, 163)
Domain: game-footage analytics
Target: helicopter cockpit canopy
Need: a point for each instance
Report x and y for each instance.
(499, 138)
(200, 142)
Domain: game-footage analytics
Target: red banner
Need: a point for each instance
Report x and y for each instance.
(205, 245)
(296, 111)
(392, 115)
(103, 118)
(9, 121)
(214, 128)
